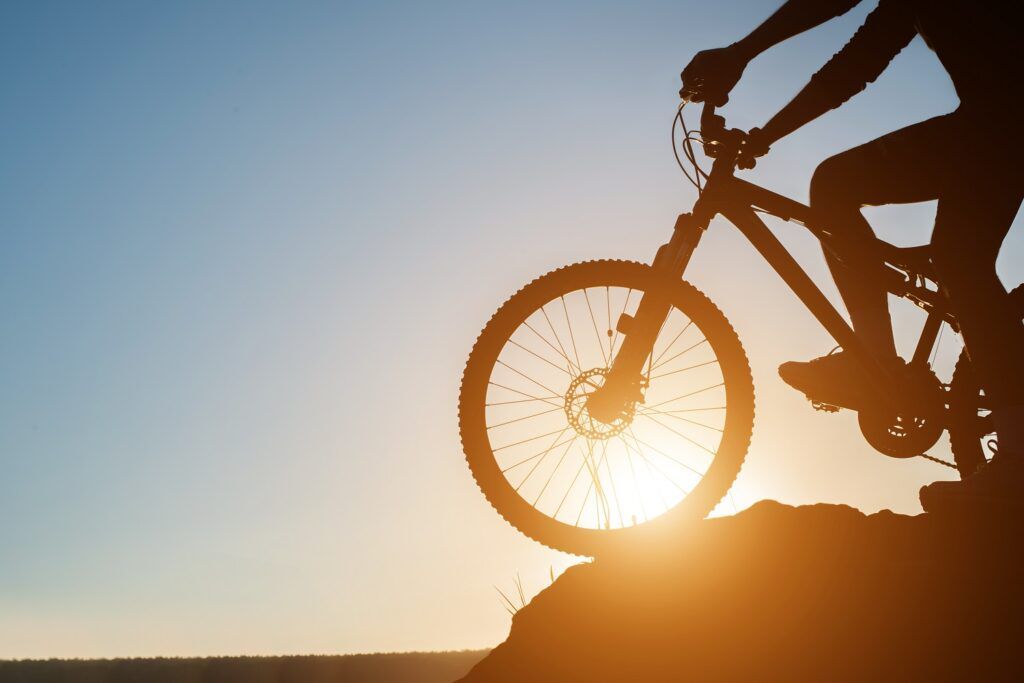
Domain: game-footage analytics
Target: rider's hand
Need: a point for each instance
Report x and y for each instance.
(755, 144)
(712, 74)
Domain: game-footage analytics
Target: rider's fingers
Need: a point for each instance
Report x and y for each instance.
(718, 99)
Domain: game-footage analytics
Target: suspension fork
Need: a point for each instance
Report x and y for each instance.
(642, 329)
(623, 383)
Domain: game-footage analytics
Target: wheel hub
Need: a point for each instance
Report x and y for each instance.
(615, 413)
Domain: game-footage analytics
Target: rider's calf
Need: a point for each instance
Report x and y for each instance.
(970, 225)
(837, 194)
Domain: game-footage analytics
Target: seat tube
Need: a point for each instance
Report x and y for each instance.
(926, 342)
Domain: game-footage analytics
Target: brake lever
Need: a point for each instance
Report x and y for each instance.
(712, 129)
(723, 142)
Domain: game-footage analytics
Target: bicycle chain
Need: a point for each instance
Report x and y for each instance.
(828, 408)
(938, 460)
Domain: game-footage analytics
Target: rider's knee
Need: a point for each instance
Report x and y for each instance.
(836, 204)
(830, 186)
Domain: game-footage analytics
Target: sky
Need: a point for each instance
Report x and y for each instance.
(245, 248)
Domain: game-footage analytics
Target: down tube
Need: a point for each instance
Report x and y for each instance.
(769, 246)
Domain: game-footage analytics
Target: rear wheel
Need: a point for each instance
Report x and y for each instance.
(970, 421)
(568, 479)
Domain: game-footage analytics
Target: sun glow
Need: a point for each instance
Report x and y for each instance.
(575, 468)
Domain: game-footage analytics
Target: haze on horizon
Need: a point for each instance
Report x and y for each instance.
(246, 247)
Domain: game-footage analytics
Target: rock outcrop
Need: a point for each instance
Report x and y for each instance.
(817, 593)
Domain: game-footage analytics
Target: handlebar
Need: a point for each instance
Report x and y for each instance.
(721, 142)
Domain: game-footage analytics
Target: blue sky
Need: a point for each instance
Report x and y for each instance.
(245, 247)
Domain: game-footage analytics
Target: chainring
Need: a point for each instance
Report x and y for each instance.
(906, 434)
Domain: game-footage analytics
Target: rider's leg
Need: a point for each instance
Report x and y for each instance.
(969, 228)
(970, 225)
(902, 167)
(975, 212)
(856, 266)
(905, 166)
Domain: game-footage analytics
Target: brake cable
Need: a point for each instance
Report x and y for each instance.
(689, 137)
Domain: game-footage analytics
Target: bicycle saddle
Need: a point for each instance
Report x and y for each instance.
(916, 260)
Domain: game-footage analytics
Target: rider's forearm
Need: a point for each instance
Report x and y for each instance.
(886, 31)
(803, 109)
(794, 17)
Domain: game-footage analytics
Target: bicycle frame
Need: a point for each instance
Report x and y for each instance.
(738, 202)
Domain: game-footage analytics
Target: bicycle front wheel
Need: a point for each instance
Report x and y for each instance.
(569, 480)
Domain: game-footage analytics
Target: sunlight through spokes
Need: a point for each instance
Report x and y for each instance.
(602, 474)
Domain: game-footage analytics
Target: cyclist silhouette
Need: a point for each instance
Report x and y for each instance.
(977, 202)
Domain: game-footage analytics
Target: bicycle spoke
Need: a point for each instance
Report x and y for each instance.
(668, 457)
(692, 393)
(557, 465)
(636, 483)
(680, 434)
(569, 490)
(532, 438)
(625, 305)
(665, 350)
(548, 342)
(608, 312)
(558, 340)
(651, 468)
(638, 442)
(611, 480)
(590, 487)
(683, 352)
(527, 417)
(681, 464)
(650, 473)
(644, 411)
(689, 410)
(599, 487)
(537, 464)
(572, 337)
(654, 485)
(536, 455)
(531, 397)
(595, 485)
(534, 353)
(650, 356)
(509, 403)
(547, 389)
(689, 367)
(593, 320)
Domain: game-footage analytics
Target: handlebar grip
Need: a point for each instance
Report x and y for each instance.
(707, 115)
(712, 126)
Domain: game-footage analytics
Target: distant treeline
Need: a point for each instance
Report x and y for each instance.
(441, 667)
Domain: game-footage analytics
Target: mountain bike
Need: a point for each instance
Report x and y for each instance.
(607, 400)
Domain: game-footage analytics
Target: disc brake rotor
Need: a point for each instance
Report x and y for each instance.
(580, 418)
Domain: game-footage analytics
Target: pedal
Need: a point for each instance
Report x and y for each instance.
(823, 407)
